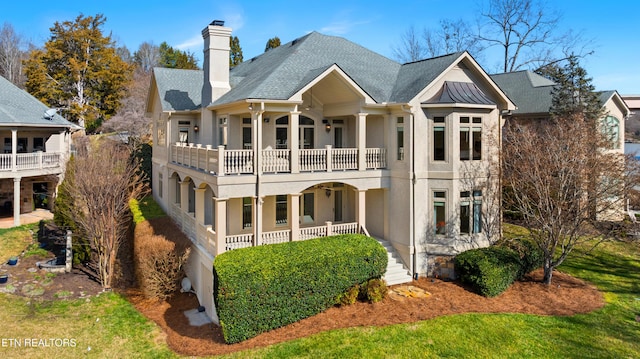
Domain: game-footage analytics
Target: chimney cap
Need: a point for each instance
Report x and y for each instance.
(217, 23)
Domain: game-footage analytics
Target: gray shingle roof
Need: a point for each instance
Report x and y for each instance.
(19, 108)
(530, 92)
(415, 76)
(180, 90)
(279, 73)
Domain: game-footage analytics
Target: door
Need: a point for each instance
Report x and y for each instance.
(337, 137)
(337, 206)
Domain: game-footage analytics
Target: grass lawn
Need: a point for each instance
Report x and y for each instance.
(14, 240)
(108, 326)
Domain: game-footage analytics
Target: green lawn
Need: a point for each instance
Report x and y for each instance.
(14, 240)
(108, 326)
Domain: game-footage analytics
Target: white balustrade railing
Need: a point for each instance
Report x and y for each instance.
(376, 158)
(313, 160)
(344, 158)
(30, 161)
(238, 161)
(276, 237)
(313, 232)
(238, 241)
(276, 161)
(344, 228)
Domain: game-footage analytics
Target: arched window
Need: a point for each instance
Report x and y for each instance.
(611, 130)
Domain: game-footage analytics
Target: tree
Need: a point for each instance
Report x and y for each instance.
(11, 55)
(147, 56)
(452, 36)
(272, 43)
(103, 179)
(411, 48)
(235, 53)
(176, 59)
(79, 72)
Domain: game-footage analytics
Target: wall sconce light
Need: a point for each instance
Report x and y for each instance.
(266, 120)
(327, 192)
(196, 128)
(251, 107)
(327, 125)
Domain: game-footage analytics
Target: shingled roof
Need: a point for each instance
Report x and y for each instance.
(530, 92)
(180, 90)
(19, 108)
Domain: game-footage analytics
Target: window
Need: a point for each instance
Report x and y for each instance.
(160, 184)
(400, 138)
(161, 127)
(282, 129)
(38, 144)
(611, 130)
(22, 144)
(471, 139)
(471, 212)
(222, 132)
(306, 132)
(438, 139)
(247, 214)
(307, 208)
(440, 221)
(281, 209)
(247, 141)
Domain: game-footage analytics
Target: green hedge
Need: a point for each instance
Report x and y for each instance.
(490, 271)
(262, 288)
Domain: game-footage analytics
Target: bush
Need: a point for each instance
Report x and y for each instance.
(531, 256)
(375, 290)
(261, 288)
(350, 296)
(160, 251)
(489, 271)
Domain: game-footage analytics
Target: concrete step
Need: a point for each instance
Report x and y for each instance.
(396, 272)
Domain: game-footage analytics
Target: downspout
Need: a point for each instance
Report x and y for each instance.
(413, 256)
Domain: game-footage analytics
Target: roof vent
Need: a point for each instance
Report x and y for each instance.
(217, 23)
(49, 114)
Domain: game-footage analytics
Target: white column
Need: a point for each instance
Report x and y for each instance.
(14, 149)
(16, 201)
(294, 216)
(361, 207)
(257, 220)
(184, 196)
(256, 134)
(294, 141)
(361, 140)
(220, 223)
(200, 205)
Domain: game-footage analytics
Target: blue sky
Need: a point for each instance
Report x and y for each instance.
(375, 24)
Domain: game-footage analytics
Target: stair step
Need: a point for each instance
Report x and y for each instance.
(396, 272)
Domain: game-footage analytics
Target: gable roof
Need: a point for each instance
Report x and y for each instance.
(19, 108)
(529, 91)
(461, 92)
(280, 72)
(179, 90)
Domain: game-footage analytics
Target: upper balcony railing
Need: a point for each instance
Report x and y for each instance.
(221, 161)
(30, 161)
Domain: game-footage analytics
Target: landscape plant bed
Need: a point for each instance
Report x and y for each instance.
(566, 296)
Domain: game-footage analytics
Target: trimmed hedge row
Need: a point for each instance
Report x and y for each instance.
(490, 271)
(261, 288)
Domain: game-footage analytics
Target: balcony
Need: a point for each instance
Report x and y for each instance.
(221, 161)
(30, 161)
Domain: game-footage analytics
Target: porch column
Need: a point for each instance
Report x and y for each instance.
(16, 201)
(294, 140)
(14, 150)
(256, 139)
(294, 216)
(200, 205)
(361, 208)
(220, 224)
(257, 220)
(361, 140)
(184, 196)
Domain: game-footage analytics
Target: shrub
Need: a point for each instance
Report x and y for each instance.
(350, 296)
(375, 290)
(261, 288)
(160, 252)
(489, 271)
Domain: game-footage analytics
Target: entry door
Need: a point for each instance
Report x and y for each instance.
(337, 137)
(337, 206)
(306, 137)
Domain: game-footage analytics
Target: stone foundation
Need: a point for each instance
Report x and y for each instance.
(441, 266)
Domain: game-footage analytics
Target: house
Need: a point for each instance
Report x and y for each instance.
(36, 145)
(532, 95)
(322, 136)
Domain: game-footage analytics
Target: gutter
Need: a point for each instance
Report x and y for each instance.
(413, 256)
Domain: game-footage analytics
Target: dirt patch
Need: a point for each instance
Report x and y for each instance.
(566, 296)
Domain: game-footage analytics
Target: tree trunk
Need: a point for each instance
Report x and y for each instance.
(548, 273)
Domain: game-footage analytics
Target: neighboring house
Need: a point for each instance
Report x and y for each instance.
(36, 144)
(532, 94)
(321, 136)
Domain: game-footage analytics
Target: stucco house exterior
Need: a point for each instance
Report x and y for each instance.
(36, 145)
(322, 136)
(532, 95)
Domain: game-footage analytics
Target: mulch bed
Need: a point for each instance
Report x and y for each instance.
(566, 296)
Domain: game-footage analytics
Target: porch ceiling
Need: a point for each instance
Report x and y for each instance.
(333, 89)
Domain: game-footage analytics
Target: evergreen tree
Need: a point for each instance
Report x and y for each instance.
(574, 93)
(176, 59)
(79, 72)
(272, 43)
(235, 55)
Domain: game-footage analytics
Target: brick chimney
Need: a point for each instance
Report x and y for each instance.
(216, 61)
